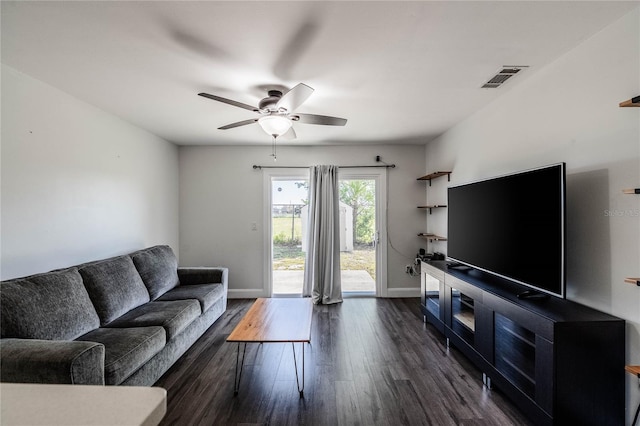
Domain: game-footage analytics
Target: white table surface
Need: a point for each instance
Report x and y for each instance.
(35, 404)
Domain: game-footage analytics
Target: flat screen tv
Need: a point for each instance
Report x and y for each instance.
(512, 226)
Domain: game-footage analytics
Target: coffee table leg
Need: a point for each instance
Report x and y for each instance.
(295, 364)
(237, 377)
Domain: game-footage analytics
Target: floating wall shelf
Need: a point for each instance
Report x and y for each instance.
(635, 281)
(434, 175)
(631, 191)
(437, 206)
(427, 235)
(633, 369)
(633, 102)
(432, 237)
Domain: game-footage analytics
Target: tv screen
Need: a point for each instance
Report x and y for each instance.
(512, 226)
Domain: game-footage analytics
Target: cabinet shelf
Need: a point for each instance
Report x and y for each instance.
(434, 175)
(518, 337)
(631, 191)
(633, 102)
(466, 301)
(630, 280)
(520, 372)
(436, 206)
(431, 237)
(467, 319)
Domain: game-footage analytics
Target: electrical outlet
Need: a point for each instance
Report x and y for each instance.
(254, 226)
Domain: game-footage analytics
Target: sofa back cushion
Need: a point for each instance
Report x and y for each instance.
(51, 306)
(158, 268)
(114, 286)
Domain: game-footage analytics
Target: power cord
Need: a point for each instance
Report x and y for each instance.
(414, 270)
(389, 233)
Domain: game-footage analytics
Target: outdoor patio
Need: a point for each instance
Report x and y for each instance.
(290, 282)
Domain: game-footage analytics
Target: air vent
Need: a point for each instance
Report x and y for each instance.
(502, 76)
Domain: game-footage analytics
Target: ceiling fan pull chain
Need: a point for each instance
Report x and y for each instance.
(273, 148)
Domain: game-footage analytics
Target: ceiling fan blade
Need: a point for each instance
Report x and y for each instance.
(295, 48)
(228, 101)
(238, 124)
(289, 135)
(320, 119)
(294, 97)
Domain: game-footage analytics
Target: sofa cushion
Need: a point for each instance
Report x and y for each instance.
(114, 286)
(51, 306)
(173, 316)
(158, 268)
(206, 294)
(126, 349)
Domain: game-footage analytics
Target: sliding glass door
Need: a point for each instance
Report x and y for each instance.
(289, 198)
(362, 222)
(362, 228)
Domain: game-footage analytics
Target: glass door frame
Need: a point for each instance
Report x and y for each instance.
(379, 175)
(269, 175)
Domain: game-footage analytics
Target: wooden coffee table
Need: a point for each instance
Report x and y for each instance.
(274, 321)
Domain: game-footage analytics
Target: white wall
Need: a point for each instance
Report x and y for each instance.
(569, 112)
(221, 195)
(78, 184)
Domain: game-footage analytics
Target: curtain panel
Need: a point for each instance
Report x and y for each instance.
(322, 262)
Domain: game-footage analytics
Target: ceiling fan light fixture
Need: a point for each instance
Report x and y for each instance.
(275, 125)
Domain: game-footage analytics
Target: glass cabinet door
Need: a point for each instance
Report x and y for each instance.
(463, 320)
(515, 353)
(432, 292)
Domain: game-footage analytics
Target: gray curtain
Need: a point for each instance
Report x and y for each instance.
(322, 263)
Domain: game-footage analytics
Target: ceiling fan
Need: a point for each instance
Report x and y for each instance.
(277, 112)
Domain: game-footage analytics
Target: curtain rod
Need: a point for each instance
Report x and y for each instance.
(388, 166)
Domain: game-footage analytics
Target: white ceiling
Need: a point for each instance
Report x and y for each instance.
(400, 72)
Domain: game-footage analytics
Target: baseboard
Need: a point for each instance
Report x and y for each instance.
(252, 293)
(403, 292)
(246, 293)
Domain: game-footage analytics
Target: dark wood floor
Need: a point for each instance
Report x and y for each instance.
(371, 361)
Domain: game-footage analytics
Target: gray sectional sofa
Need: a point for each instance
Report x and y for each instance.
(118, 321)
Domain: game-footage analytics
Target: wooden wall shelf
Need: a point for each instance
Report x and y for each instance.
(427, 235)
(432, 237)
(434, 175)
(631, 191)
(635, 281)
(633, 369)
(436, 206)
(633, 102)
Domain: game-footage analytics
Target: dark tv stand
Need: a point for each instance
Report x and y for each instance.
(456, 265)
(532, 294)
(560, 362)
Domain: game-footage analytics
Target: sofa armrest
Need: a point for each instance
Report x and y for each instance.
(51, 361)
(203, 275)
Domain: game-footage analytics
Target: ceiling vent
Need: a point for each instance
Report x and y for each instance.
(502, 76)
